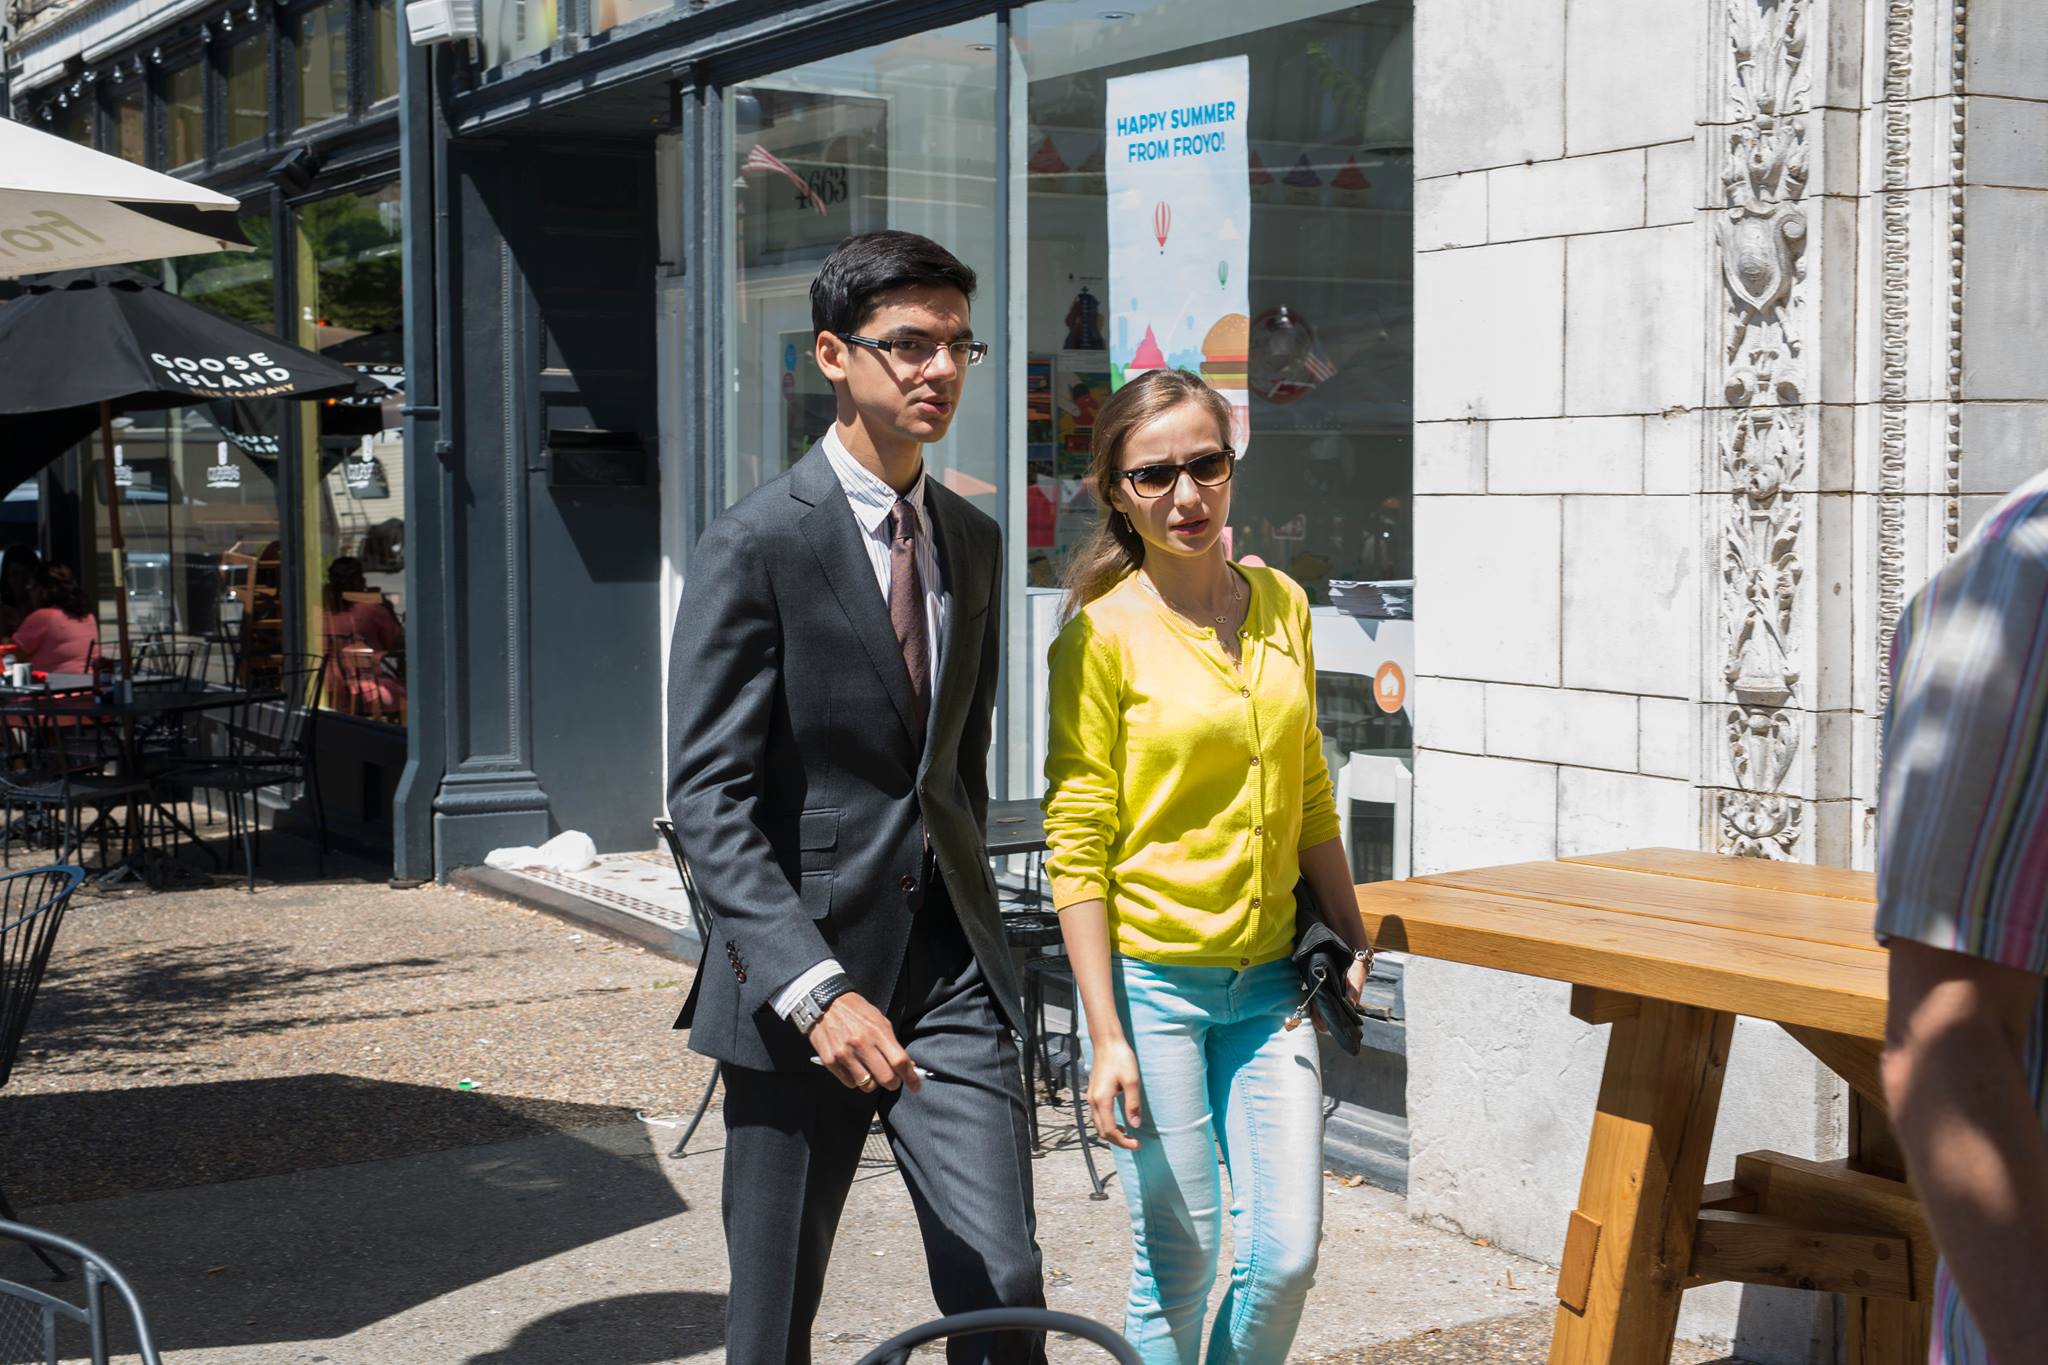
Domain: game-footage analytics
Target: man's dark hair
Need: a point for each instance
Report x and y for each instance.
(862, 268)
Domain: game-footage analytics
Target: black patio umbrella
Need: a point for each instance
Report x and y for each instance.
(83, 345)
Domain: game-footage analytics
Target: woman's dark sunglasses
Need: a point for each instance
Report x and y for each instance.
(1157, 480)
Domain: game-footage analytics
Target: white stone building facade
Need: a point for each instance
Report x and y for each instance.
(1727, 322)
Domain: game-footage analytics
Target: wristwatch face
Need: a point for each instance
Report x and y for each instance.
(804, 1013)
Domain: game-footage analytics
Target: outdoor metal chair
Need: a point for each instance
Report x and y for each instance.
(897, 1349)
(875, 1150)
(57, 772)
(29, 1317)
(265, 744)
(702, 920)
(32, 905)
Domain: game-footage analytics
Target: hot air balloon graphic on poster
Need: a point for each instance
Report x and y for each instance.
(1223, 274)
(1162, 221)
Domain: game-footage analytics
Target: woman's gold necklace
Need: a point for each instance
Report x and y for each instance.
(1236, 589)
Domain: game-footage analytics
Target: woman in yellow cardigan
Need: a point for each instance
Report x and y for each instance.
(1186, 793)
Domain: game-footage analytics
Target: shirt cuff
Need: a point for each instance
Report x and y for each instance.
(785, 999)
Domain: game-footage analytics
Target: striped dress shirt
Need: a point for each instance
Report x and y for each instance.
(1962, 835)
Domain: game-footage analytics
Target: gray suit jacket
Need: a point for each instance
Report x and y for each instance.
(795, 783)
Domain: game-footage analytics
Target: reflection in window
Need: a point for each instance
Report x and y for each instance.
(901, 136)
(248, 106)
(384, 49)
(355, 555)
(1326, 345)
(323, 62)
(515, 28)
(199, 504)
(185, 114)
(131, 142)
(239, 284)
(72, 122)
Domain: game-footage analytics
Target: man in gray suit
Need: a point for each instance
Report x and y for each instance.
(832, 679)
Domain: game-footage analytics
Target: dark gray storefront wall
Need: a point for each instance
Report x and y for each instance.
(553, 596)
(594, 591)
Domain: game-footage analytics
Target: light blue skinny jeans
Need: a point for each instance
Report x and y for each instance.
(1217, 1067)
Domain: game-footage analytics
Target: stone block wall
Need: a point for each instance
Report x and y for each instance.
(1728, 320)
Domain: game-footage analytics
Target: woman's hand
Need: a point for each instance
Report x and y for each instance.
(1354, 980)
(1113, 1076)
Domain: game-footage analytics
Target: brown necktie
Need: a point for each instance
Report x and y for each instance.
(906, 609)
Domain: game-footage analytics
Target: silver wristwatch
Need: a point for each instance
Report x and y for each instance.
(811, 1006)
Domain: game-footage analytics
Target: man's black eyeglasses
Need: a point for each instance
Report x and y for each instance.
(918, 352)
(1157, 480)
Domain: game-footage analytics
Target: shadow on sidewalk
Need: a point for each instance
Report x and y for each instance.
(314, 1249)
(62, 1147)
(632, 1329)
(116, 1010)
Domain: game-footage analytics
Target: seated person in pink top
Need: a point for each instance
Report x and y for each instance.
(361, 637)
(61, 632)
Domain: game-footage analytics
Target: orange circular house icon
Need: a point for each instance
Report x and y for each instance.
(1390, 687)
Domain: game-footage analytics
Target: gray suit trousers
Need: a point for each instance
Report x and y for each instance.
(793, 1144)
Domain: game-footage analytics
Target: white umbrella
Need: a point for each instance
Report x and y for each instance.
(67, 207)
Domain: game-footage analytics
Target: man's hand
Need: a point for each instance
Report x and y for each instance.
(856, 1043)
(1114, 1075)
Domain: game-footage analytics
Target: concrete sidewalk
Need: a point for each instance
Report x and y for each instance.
(255, 1106)
(591, 1246)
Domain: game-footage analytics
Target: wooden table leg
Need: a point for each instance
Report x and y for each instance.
(1880, 1331)
(1630, 1246)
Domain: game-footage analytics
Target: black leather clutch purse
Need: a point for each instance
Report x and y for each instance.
(1323, 960)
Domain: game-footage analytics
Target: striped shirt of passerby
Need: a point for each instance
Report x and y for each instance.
(1962, 836)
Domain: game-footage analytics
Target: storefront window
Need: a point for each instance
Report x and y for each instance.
(72, 121)
(1237, 206)
(131, 141)
(384, 21)
(185, 114)
(900, 136)
(199, 500)
(355, 512)
(1278, 268)
(515, 28)
(323, 61)
(248, 106)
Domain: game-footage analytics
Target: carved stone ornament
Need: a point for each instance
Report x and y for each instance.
(1761, 238)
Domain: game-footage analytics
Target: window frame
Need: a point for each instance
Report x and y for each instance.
(266, 32)
(362, 70)
(118, 81)
(169, 59)
(291, 29)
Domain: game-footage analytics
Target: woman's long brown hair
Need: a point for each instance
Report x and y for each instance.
(1115, 549)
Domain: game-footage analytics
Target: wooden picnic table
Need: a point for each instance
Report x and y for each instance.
(1669, 946)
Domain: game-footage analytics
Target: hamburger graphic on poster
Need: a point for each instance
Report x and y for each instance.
(1179, 206)
(1226, 365)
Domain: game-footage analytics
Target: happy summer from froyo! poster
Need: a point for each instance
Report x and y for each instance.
(1180, 227)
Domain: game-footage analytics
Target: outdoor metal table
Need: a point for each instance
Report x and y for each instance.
(148, 703)
(1018, 827)
(63, 684)
(1015, 827)
(1669, 946)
